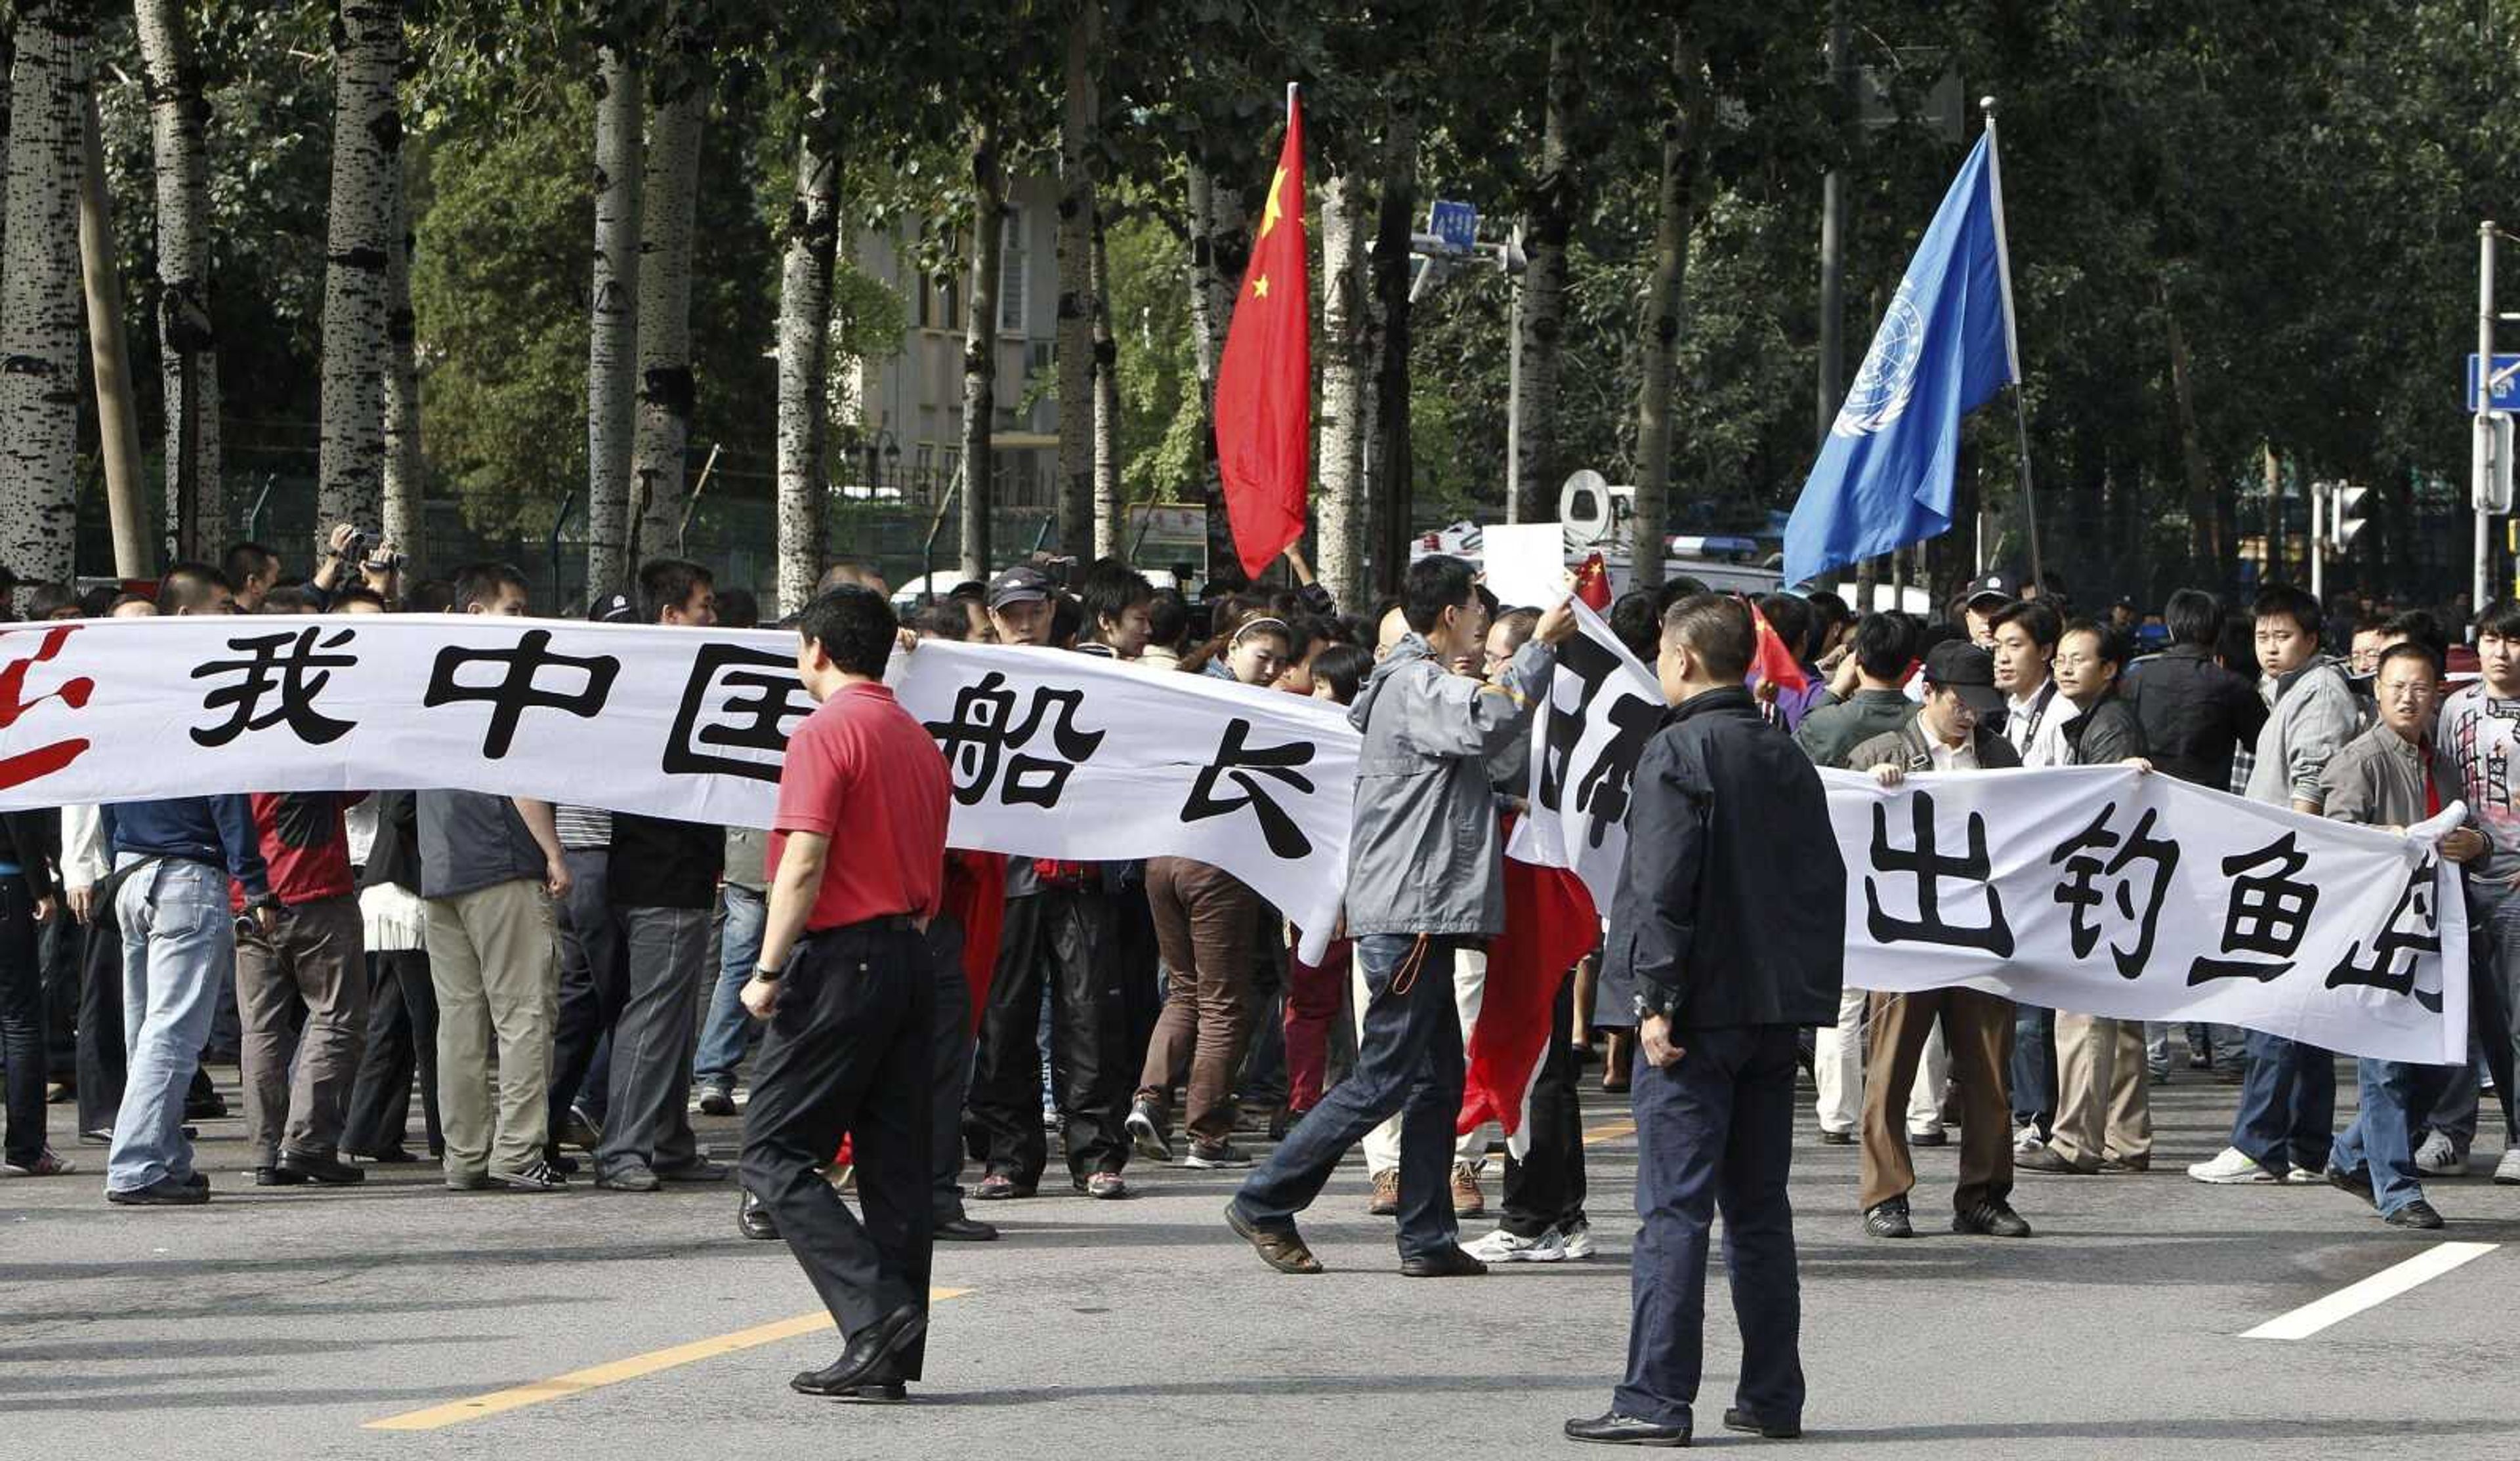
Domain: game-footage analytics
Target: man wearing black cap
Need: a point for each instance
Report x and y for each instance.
(1059, 927)
(1989, 594)
(1947, 734)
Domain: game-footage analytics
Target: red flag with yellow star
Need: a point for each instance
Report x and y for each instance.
(1263, 384)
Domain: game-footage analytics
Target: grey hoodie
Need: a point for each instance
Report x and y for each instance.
(1426, 856)
(2314, 716)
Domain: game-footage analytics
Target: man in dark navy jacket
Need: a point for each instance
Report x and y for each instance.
(1729, 926)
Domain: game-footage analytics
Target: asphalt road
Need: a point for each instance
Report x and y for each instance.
(294, 1321)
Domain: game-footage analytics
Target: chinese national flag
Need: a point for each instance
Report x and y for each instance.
(1774, 663)
(1264, 384)
(1593, 585)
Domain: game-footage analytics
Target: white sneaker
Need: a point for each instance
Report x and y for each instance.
(2436, 1157)
(2506, 1173)
(1577, 1241)
(2027, 1140)
(1503, 1247)
(2233, 1168)
(2305, 1176)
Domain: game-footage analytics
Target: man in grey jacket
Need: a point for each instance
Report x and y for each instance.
(1424, 879)
(2287, 1117)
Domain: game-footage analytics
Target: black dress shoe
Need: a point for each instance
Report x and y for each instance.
(165, 1192)
(964, 1230)
(1615, 1428)
(1836, 1138)
(1749, 1424)
(753, 1219)
(867, 1359)
(2418, 1214)
(1888, 1219)
(2358, 1183)
(277, 1176)
(1993, 1218)
(332, 1172)
(1444, 1263)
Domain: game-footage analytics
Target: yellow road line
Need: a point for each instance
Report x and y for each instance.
(576, 1382)
(1611, 1132)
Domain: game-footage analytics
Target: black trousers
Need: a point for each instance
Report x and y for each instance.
(1715, 1131)
(949, 1071)
(593, 984)
(1061, 934)
(101, 1055)
(402, 1038)
(59, 944)
(22, 1021)
(1545, 1188)
(847, 1051)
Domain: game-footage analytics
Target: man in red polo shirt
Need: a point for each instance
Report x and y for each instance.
(847, 983)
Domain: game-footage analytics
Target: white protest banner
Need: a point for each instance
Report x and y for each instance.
(1058, 755)
(2108, 891)
(1603, 707)
(1054, 755)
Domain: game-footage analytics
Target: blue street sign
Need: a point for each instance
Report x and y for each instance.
(1457, 224)
(2506, 390)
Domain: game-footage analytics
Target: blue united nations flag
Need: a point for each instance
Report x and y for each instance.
(1883, 480)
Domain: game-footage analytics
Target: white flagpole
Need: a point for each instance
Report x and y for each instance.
(2012, 341)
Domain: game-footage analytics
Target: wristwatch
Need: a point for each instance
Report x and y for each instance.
(768, 975)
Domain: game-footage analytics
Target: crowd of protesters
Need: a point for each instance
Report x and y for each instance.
(544, 979)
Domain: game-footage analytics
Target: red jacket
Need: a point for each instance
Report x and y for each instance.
(305, 844)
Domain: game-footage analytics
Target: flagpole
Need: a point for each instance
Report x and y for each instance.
(2012, 341)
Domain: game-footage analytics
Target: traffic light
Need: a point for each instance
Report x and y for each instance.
(2343, 525)
(2490, 489)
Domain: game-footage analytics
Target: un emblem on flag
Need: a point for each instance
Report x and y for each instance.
(1883, 386)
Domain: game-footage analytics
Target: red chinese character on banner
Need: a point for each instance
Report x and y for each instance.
(42, 761)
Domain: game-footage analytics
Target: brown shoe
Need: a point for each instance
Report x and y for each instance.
(2122, 1166)
(1467, 1200)
(1385, 1202)
(1283, 1250)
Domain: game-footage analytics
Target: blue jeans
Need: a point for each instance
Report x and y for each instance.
(2287, 1115)
(728, 1031)
(1409, 1060)
(2396, 1096)
(178, 946)
(2033, 1067)
(1714, 1130)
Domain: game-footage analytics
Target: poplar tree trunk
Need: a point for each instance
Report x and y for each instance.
(1394, 469)
(613, 319)
(1110, 530)
(804, 349)
(667, 388)
(1683, 136)
(40, 304)
(1076, 141)
(2205, 539)
(365, 211)
(187, 358)
(405, 467)
(1551, 223)
(1218, 251)
(980, 348)
(117, 414)
(1341, 517)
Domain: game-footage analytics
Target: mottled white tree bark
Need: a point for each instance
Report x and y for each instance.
(1110, 531)
(405, 468)
(187, 356)
(980, 348)
(365, 211)
(804, 349)
(670, 201)
(1077, 127)
(613, 333)
(40, 302)
(1340, 517)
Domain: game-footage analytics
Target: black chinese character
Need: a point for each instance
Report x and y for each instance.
(758, 695)
(2421, 935)
(519, 691)
(985, 727)
(1931, 869)
(2268, 913)
(1604, 791)
(1237, 761)
(2081, 857)
(1591, 667)
(268, 674)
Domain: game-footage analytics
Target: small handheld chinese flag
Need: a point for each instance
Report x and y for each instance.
(1775, 664)
(1593, 585)
(1264, 384)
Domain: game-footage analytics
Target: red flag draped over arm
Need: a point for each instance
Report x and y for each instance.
(1264, 384)
(1548, 924)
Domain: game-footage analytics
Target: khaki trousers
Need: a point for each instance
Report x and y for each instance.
(494, 959)
(1978, 1028)
(2104, 1104)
